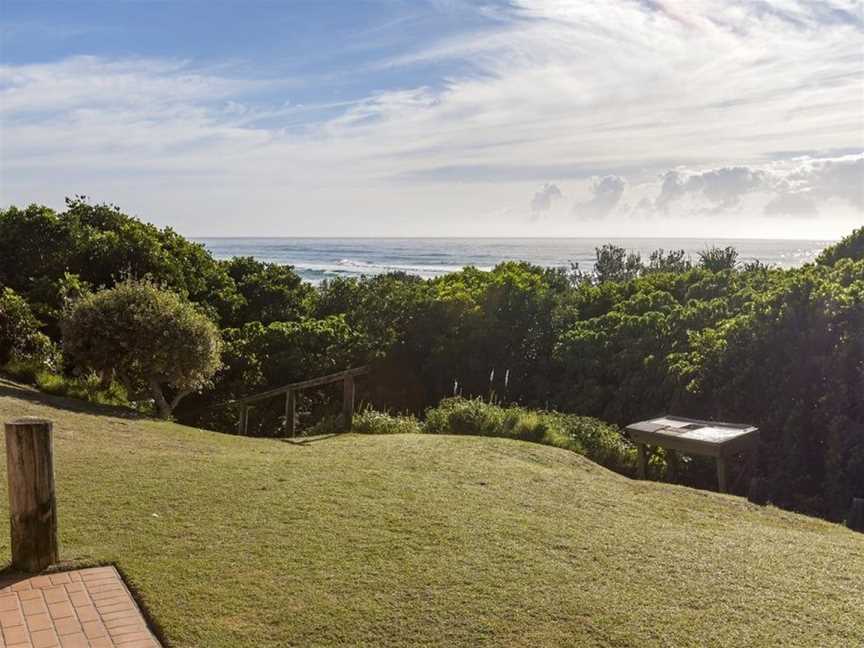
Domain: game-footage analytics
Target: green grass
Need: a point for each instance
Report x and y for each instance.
(427, 540)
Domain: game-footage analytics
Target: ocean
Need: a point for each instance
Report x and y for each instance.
(316, 259)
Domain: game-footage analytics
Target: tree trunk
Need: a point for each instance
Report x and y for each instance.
(105, 377)
(162, 405)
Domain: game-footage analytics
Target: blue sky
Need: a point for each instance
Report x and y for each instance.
(445, 117)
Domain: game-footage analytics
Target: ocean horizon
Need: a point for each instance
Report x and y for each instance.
(318, 258)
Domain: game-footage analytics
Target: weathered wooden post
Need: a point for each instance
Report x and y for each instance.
(758, 492)
(241, 423)
(348, 401)
(855, 519)
(243, 427)
(672, 465)
(290, 412)
(642, 459)
(721, 474)
(32, 501)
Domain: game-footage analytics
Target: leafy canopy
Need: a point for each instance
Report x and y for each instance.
(147, 337)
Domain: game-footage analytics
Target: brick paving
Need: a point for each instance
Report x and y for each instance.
(87, 608)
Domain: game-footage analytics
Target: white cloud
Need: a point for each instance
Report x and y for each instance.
(710, 89)
(543, 199)
(796, 186)
(607, 192)
(723, 188)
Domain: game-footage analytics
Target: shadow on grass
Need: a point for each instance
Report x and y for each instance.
(302, 441)
(23, 392)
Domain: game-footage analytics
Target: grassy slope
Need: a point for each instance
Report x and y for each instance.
(410, 541)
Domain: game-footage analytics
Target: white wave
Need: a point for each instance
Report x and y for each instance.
(357, 267)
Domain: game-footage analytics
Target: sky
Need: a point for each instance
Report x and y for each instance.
(618, 118)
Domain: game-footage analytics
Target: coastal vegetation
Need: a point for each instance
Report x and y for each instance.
(707, 337)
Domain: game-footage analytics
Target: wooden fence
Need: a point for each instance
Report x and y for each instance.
(290, 390)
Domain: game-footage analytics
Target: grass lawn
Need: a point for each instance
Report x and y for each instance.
(412, 540)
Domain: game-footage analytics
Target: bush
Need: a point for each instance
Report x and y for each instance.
(20, 337)
(589, 437)
(465, 416)
(371, 421)
(88, 387)
(148, 338)
(850, 247)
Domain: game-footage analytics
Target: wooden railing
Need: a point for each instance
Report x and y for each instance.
(290, 390)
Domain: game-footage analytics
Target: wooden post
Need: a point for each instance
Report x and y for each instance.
(758, 492)
(855, 519)
(243, 423)
(32, 501)
(348, 402)
(671, 465)
(290, 412)
(642, 458)
(721, 474)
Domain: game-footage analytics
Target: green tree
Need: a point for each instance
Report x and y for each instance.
(671, 261)
(150, 339)
(717, 259)
(850, 247)
(100, 245)
(19, 329)
(616, 264)
(271, 292)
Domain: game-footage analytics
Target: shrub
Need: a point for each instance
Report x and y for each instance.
(850, 247)
(148, 338)
(465, 416)
(594, 439)
(371, 421)
(20, 337)
(87, 387)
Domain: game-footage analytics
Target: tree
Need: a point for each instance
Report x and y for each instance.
(101, 246)
(850, 247)
(149, 338)
(616, 264)
(19, 329)
(672, 261)
(271, 292)
(717, 259)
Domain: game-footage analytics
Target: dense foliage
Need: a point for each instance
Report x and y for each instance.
(19, 329)
(851, 247)
(707, 337)
(594, 439)
(148, 338)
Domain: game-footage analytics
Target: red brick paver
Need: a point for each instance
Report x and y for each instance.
(88, 608)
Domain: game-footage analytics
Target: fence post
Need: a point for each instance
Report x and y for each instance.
(32, 501)
(759, 491)
(641, 461)
(721, 475)
(348, 402)
(290, 412)
(241, 422)
(671, 465)
(855, 519)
